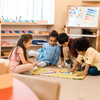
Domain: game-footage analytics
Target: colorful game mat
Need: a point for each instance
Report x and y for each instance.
(60, 73)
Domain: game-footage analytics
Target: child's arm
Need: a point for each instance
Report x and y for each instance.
(21, 55)
(32, 62)
(62, 56)
(62, 62)
(23, 60)
(74, 66)
(85, 70)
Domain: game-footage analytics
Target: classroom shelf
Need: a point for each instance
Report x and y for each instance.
(32, 35)
(8, 46)
(92, 0)
(3, 56)
(25, 24)
(35, 45)
(14, 45)
(82, 35)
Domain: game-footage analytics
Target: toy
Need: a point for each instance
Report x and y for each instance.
(67, 72)
(16, 32)
(38, 42)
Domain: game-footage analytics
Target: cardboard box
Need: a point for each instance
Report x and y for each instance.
(5, 53)
(43, 32)
(4, 66)
(6, 81)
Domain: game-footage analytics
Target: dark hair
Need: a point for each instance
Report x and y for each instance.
(80, 44)
(24, 37)
(62, 38)
(54, 34)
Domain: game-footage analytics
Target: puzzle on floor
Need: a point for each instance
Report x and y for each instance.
(58, 73)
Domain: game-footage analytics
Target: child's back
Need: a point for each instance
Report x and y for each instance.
(15, 58)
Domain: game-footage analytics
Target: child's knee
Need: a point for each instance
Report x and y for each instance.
(92, 71)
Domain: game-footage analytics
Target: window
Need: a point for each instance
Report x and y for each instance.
(28, 9)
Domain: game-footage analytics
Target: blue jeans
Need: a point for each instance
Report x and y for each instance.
(92, 71)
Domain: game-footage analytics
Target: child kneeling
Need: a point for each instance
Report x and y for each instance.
(90, 56)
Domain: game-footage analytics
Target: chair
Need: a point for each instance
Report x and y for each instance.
(44, 89)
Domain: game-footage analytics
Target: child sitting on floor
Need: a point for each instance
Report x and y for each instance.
(90, 56)
(49, 54)
(19, 61)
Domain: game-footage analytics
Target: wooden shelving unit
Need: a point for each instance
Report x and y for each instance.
(79, 24)
(4, 56)
(32, 35)
(82, 35)
(14, 45)
(92, 0)
(26, 26)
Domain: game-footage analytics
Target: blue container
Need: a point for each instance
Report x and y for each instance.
(38, 42)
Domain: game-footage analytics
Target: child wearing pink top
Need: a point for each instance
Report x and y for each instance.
(19, 61)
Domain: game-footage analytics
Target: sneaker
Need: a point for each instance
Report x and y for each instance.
(35, 68)
(68, 64)
(59, 66)
(28, 73)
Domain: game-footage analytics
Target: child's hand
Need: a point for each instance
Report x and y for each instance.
(81, 74)
(62, 64)
(34, 64)
(71, 70)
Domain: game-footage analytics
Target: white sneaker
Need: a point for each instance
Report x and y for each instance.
(28, 73)
(30, 53)
(59, 66)
(67, 65)
(35, 68)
